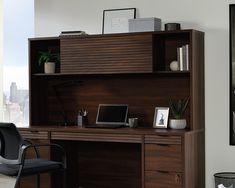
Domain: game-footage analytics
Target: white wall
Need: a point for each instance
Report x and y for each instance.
(210, 16)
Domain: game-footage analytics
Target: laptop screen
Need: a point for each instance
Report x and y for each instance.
(112, 114)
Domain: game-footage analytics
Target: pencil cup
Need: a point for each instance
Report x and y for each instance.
(82, 120)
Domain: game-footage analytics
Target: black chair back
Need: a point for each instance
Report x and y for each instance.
(10, 141)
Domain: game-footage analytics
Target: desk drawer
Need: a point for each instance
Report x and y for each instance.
(163, 152)
(163, 179)
(162, 139)
(96, 137)
(28, 134)
(166, 157)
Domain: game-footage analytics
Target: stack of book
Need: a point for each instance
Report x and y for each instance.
(183, 57)
(72, 33)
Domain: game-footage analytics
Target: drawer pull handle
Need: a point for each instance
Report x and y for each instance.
(163, 144)
(162, 171)
(34, 131)
(163, 136)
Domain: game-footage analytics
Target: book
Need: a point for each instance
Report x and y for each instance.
(183, 57)
(187, 57)
(180, 58)
(72, 33)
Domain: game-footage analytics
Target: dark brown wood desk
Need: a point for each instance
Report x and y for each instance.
(127, 68)
(126, 157)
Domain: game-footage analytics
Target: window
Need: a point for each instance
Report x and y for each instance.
(18, 26)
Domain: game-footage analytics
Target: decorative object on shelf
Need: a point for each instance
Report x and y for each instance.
(116, 20)
(144, 24)
(132, 122)
(174, 66)
(49, 59)
(183, 57)
(172, 26)
(177, 109)
(161, 117)
(49, 67)
(177, 123)
(72, 33)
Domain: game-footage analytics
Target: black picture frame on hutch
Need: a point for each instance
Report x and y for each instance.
(116, 20)
(232, 72)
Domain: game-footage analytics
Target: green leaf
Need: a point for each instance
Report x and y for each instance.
(178, 107)
(48, 56)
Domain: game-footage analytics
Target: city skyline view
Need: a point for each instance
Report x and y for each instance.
(18, 26)
(16, 106)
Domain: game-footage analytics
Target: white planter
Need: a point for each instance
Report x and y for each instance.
(49, 67)
(177, 123)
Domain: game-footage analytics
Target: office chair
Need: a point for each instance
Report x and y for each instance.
(13, 152)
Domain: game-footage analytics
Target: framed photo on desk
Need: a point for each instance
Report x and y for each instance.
(161, 117)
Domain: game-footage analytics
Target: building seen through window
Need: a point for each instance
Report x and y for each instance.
(17, 106)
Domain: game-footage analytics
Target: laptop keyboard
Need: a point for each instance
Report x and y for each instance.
(104, 126)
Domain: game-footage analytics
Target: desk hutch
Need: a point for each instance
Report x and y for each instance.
(129, 68)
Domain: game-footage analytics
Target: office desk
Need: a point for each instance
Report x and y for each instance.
(127, 157)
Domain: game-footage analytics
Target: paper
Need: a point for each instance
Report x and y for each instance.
(222, 186)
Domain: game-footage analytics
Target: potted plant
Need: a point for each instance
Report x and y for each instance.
(49, 60)
(177, 109)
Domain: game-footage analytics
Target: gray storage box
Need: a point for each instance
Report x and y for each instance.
(144, 24)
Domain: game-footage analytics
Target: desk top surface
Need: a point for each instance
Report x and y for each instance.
(122, 135)
(125, 130)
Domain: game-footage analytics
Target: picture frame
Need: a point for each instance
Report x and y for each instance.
(161, 115)
(116, 20)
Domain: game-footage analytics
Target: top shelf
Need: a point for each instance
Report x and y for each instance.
(157, 73)
(183, 31)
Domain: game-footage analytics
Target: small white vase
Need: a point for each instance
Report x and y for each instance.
(177, 123)
(49, 67)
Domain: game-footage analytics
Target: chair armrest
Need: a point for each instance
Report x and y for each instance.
(29, 142)
(22, 153)
(37, 146)
(16, 161)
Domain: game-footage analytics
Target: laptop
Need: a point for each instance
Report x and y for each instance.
(111, 116)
